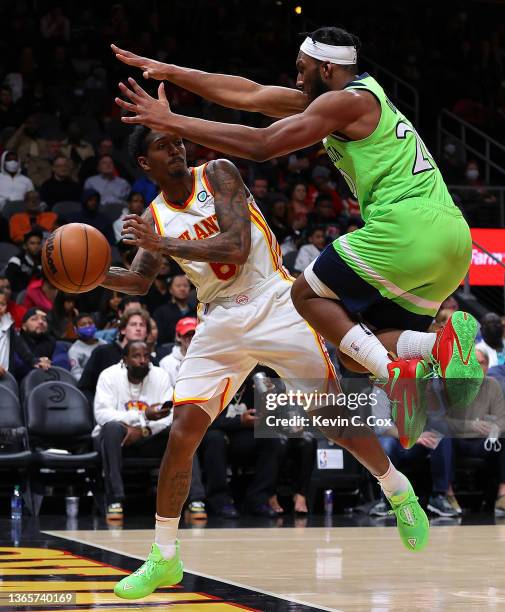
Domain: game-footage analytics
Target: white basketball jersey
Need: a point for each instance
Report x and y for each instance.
(196, 220)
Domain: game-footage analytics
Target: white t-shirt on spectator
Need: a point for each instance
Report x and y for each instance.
(14, 188)
(172, 364)
(116, 399)
(306, 255)
(495, 357)
(79, 353)
(5, 338)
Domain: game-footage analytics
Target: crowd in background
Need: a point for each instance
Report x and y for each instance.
(64, 159)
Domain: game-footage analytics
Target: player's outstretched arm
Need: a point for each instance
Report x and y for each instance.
(144, 269)
(333, 111)
(224, 89)
(232, 245)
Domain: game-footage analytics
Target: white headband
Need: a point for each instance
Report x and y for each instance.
(329, 53)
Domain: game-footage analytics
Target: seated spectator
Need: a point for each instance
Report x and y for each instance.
(184, 332)
(105, 147)
(60, 187)
(321, 185)
(152, 342)
(299, 452)
(111, 188)
(16, 311)
(134, 325)
(158, 292)
(176, 308)
(298, 204)
(74, 148)
(479, 428)
(492, 344)
(233, 431)
(307, 253)
(145, 186)
(33, 151)
(26, 266)
(135, 206)
(130, 411)
(40, 293)
(125, 303)
(325, 217)
(108, 316)
(33, 218)
(35, 347)
(259, 191)
(7, 335)
(430, 445)
(92, 215)
(9, 111)
(62, 317)
(13, 184)
(278, 217)
(86, 343)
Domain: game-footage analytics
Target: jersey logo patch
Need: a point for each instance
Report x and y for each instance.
(241, 299)
(202, 196)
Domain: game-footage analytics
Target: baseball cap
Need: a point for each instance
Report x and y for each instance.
(186, 325)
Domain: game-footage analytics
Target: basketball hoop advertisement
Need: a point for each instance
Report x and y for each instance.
(484, 270)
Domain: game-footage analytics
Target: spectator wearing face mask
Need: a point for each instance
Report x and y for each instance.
(13, 185)
(492, 344)
(26, 265)
(80, 351)
(477, 202)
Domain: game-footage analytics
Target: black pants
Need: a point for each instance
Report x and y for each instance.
(245, 450)
(474, 447)
(109, 444)
(302, 453)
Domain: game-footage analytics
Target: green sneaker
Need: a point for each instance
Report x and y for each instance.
(411, 520)
(455, 361)
(406, 388)
(154, 573)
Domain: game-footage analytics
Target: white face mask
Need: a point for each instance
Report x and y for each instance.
(450, 148)
(472, 175)
(12, 166)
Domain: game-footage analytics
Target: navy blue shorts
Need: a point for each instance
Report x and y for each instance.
(361, 300)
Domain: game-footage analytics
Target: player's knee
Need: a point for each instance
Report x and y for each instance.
(300, 292)
(188, 428)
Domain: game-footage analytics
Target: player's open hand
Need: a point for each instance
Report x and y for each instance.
(151, 112)
(140, 234)
(151, 69)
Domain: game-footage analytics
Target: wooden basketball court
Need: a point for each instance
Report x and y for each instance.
(352, 569)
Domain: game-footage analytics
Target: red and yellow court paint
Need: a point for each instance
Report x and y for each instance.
(50, 570)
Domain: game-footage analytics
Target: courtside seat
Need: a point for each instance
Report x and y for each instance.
(38, 376)
(14, 451)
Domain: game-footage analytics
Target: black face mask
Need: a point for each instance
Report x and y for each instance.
(138, 372)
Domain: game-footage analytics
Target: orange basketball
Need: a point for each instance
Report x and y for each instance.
(76, 258)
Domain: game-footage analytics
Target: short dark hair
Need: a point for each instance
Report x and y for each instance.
(331, 35)
(137, 144)
(83, 315)
(127, 299)
(129, 344)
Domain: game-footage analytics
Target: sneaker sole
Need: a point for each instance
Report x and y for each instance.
(465, 328)
(436, 510)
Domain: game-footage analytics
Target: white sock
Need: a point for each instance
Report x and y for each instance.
(393, 482)
(165, 535)
(365, 348)
(413, 344)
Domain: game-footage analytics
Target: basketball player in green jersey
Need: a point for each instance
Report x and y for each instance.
(415, 247)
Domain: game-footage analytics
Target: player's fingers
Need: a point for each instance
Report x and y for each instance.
(130, 241)
(125, 90)
(132, 108)
(137, 88)
(134, 217)
(162, 96)
(135, 119)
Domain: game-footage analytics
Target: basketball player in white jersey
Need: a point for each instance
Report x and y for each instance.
(206, 219)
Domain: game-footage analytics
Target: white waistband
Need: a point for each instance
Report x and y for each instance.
(244, 297)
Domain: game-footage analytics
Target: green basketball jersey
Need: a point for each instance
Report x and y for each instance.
(390, 165)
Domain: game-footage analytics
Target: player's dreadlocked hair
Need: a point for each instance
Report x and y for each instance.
(137, 144)
(336, 36)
